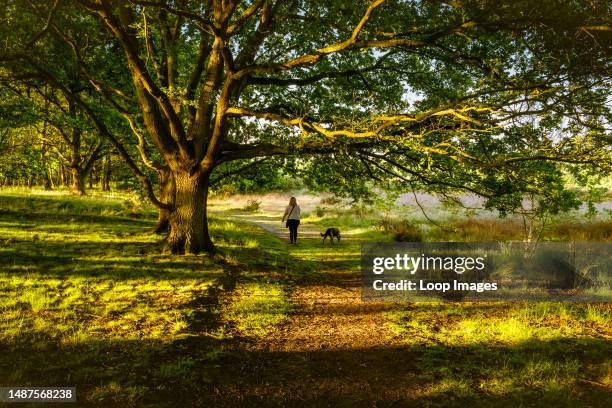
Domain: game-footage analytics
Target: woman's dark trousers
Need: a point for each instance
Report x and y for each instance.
(293, 226)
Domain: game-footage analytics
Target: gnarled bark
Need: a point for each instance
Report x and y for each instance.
(188, 219)
(165, 195)
(78, 180)
(106, 173)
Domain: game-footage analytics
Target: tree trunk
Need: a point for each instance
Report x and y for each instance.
(165, 195)
(62, 175)
(106, 171)
(47, 179)
(91, 177)
(78, 176)
(78, 181)
(188, 221)
(43, 159)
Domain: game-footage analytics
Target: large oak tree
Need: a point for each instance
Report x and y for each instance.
(475, 95)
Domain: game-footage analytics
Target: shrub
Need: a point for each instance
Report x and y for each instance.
(489, 230)
(401, 230)
(586, 231)
(132, 206)
(224, 191)
(404, 231)
(320, 211)
(252, 206)
(331, 200)
(481, 230)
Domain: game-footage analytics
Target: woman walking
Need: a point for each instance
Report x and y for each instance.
(292, 213)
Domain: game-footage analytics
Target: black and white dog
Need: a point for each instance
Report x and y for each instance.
(331, 233)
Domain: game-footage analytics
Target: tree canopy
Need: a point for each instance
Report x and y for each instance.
(481, 96)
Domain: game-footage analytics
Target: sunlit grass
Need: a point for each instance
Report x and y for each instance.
(509, 350)
(104, 306)
(257, 308)
(86, 296)
(500, 323)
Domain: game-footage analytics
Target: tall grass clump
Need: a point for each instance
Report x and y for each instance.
(582, 231)
(480, 230)
(331, 200)
(252, 206)
(345, 219)
(401, 230)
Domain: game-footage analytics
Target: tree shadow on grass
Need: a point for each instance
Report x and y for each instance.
(533, 373)
(208, 370)
(96, 259)
(126, 371)
(151, 372)
(115, 372)
(54, 218)
(561, 372)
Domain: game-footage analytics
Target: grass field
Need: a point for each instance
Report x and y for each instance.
(88, 300)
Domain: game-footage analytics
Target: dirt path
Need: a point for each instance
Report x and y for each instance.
(332, 318)
(335, 350)
(328, 317)
(277, 228)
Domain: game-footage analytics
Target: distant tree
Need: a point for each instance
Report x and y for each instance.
(106, 172)
(71, 137)
(462, 95)
(263, 175)
(55, 129)
(17, 124)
